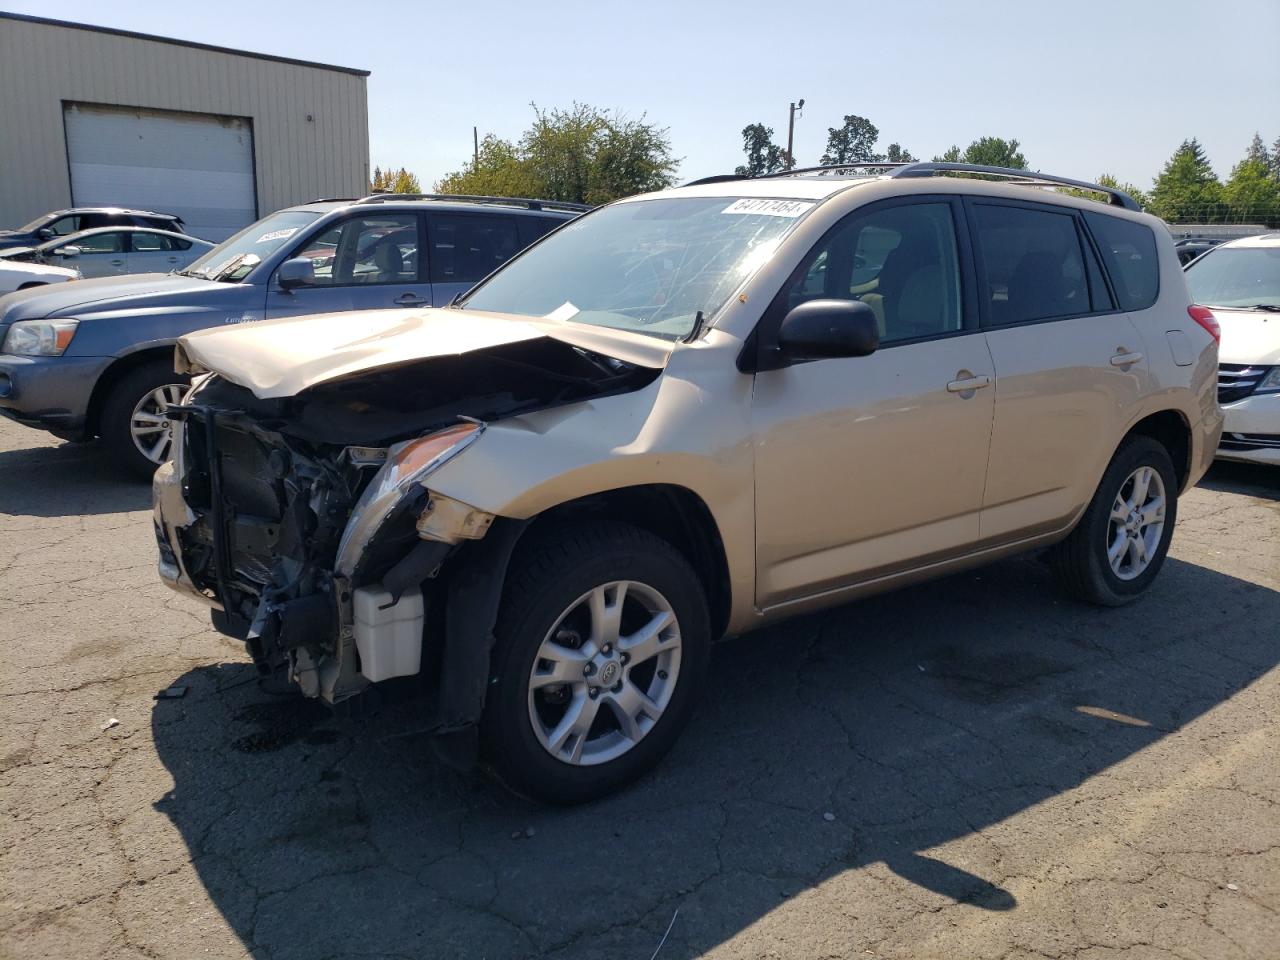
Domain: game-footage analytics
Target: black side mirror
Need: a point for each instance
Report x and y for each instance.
(44, 233)
(829, 328)
(298, 272)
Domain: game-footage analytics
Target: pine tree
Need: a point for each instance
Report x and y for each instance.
(1188, 190)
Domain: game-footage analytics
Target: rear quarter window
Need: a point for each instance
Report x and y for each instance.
(1129, 251)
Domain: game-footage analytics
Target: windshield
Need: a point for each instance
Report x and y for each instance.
(649, 266)
(235, 257)
(37, 222)
(1237, 277)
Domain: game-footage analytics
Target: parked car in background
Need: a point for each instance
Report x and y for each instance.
(113, 251)
(96, 358)
(1240, 282)
(685, 415)
(63, 223)
(25, 276)
(1191, 247)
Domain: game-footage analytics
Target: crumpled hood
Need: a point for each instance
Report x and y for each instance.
(281, 358)
(102, 295)
(1248, 336)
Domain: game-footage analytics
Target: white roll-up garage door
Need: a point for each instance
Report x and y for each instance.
(195, 165)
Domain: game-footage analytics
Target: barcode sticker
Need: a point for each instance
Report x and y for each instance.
(769, 208)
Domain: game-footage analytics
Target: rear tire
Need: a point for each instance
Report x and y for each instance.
(624, 698)
(1116, 550)
(132, 425)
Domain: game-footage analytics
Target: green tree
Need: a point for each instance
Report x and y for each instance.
(895, 154)
(1107, 180)
(987, 151)
(852, 142)
(763, 155)
(1187, 190)
(394, 181)
(497, 171)
(581, 154)
(1252, 194)
(1258, 151)
(1275, 158)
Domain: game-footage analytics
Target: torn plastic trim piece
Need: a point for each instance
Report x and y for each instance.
(471, 612)
(449, 520)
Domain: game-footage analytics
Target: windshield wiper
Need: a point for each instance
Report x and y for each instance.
(1267, 307)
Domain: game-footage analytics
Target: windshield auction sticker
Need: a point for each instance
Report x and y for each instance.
(769, 208)
(276, 235)
(566, 311)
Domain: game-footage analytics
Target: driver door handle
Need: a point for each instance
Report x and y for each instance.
(117, 263)
(968, 384)
(411, 300)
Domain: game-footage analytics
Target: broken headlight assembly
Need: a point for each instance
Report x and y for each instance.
(407, 464)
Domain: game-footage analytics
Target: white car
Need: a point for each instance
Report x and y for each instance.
(113, 251)
(15, 275)
(1240, 282)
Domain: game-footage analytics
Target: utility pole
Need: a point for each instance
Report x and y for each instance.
(475, 148)
(791, 132)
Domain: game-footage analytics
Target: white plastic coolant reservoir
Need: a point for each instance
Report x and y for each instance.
(389, 640)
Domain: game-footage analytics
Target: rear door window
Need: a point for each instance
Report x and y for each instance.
(1129, 251)
(1032, 265)
(468, 247)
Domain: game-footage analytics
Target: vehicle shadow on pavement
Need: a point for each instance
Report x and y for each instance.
(68, 480)
(1254, 480)
(861, 739)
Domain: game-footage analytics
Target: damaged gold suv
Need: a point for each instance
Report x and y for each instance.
(685, 415)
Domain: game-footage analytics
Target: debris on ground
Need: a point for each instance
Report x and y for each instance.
(172, 693)
(828, 816)
(108, 724)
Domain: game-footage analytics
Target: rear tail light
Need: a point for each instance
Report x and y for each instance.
(1204, 316)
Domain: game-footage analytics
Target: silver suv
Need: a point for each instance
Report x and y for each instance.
(684, 415)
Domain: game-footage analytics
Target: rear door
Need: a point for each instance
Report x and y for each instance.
(467, 247)
(368, 261)
(151, 252)
(1068, 364)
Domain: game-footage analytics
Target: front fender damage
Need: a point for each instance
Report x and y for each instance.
(276, 512)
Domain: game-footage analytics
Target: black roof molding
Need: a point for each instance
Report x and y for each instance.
(526, 202)
(48, 21)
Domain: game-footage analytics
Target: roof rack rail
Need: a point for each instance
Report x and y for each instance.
(1117, 198)
(334, 200)
(525, 202)
(716, 178)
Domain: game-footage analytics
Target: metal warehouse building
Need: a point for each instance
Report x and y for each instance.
(91, 116)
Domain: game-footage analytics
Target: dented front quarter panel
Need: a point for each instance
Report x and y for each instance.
(689, 428)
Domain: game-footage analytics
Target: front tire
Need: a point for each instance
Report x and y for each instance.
(1120, 544)
(602, 648)
(133, 424)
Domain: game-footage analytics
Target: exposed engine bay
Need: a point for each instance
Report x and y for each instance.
(298, 518)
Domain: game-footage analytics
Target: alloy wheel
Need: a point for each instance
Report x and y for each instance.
(149, 424)
(605, 672)
(1136, 523)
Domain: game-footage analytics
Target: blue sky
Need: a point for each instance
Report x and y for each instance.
(1113, 87)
